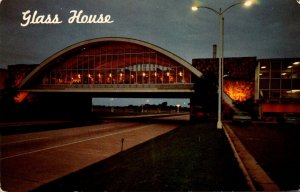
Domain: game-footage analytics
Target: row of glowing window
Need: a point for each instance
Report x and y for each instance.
(283, 70)
(280, 94)
(121, 77)
(279, 84)
(168, 73)
(144, 74)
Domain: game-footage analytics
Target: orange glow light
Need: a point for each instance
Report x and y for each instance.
(21, 96)
(239, 90)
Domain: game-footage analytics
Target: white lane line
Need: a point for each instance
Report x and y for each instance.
(63, 145)
(23, 141)
(45, 134)
(179, 117)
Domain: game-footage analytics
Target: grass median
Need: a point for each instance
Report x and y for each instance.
(191, 157)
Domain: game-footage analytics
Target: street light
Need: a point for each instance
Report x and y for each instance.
(111, 105)
(178, 106)
(220, 13)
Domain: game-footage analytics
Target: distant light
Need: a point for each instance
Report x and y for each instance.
(263, 67)
(293, 91)
(260, 74)
(289, 67)
(194, 8)
(296, 63)
(283, 73)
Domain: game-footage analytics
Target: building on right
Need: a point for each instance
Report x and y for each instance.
(277, 86)
(265, 88)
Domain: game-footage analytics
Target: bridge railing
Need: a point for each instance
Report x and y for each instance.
(189, 86)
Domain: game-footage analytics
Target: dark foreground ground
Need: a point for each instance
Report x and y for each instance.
(276, 148)
(191, 157)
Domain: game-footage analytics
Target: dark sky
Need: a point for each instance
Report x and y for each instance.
(269, 29)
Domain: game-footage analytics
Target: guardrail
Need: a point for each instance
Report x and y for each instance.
(188, 86)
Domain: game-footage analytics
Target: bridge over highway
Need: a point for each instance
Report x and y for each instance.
(67, 81)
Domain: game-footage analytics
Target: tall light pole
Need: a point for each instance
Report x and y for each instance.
(220, 14)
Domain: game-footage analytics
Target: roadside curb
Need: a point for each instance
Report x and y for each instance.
(249, 166)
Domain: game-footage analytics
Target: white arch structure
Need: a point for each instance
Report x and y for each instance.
(25, 84)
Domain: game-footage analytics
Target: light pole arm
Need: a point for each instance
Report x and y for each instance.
(230, 7)
(213, 10)
(220, 12)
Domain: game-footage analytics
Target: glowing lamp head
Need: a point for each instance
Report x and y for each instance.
(194, 8)
(248, 3)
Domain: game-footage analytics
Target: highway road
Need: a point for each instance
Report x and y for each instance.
(32, 159)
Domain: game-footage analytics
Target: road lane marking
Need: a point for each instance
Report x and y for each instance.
(23, 141)
(179, 117)
(76, 142)
(42, 135)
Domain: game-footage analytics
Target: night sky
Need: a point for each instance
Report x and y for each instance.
(270, 29)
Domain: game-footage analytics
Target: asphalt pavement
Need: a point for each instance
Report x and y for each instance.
(29, 160)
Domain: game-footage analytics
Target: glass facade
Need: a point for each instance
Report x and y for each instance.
(279, 79)
(115, 63)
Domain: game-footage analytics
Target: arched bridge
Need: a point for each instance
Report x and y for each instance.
(104, 66)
